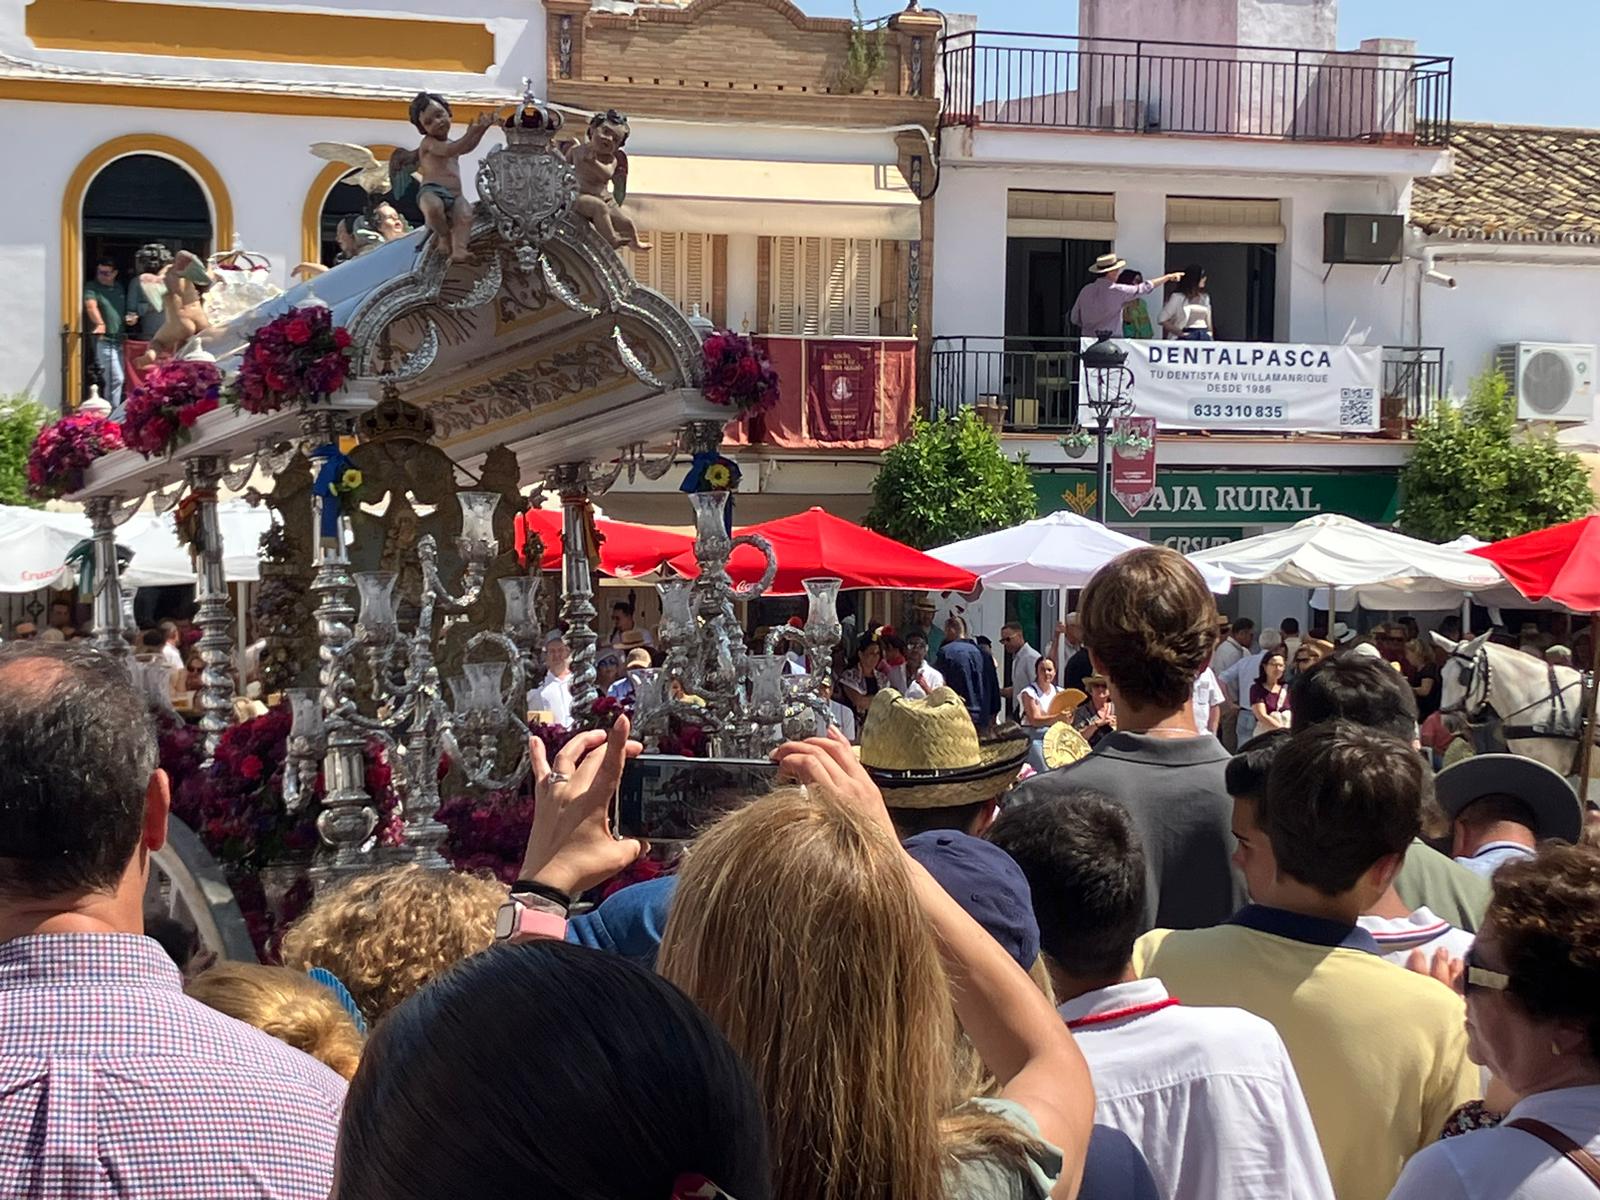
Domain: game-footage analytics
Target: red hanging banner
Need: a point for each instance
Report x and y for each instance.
(842, 391)
(1133, 461)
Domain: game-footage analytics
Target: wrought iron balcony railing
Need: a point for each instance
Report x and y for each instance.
(1059, 81)
(1034, 381)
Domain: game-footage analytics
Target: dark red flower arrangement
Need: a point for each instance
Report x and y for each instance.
(737, 374)
(298, 358)
(62, 452)
(162, 410)
(236, 808)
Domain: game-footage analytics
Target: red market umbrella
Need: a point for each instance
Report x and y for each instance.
(626, 550)
(1561, 564)
(816, 544)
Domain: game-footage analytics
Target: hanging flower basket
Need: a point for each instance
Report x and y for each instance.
(298, 358)
(63, 451)
(163, 408)
(737, 374)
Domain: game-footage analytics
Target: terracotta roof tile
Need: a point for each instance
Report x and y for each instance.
(1515, 183)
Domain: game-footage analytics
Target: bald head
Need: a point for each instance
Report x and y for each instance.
(77, 750)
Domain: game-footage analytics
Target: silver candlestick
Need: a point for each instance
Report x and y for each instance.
(480, 720)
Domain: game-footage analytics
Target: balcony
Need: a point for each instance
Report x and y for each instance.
(1113, 85)
(1034, 382)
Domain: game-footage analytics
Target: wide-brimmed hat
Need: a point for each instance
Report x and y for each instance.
(1106, 264)
(1340, 633)
(1556, 809)
(927, 753)
(630, 639)
(1096, 677)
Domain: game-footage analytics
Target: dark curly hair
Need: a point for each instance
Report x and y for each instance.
(1149, 619)
(1545, 917)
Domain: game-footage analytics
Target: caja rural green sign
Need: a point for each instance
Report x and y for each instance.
(1235, 498)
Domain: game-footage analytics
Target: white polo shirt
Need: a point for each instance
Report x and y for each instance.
(1208, 1094)
(1397, 937)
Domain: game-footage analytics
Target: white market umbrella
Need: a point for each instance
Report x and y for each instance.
(1062, 550)
(34, 546)
(1418, 599)
(1360, 563)
(159, 560)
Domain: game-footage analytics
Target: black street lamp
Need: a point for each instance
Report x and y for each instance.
(1105, 384)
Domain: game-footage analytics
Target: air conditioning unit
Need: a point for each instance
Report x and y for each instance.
(1552, 381)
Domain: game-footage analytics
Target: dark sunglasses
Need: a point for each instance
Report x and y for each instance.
(1477, 976)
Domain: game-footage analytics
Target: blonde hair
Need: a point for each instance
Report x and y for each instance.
(796, 929)
(286, 1004)
(385, 933)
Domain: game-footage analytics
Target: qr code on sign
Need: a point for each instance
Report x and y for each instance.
(1355, 406)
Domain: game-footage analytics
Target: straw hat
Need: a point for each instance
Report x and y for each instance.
(638, 659)
(1106, 264)
(630, 639)
(926, 753)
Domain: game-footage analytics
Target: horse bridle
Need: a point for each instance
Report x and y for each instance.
(1469, 676)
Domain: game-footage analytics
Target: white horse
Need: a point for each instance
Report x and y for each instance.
(1539, 706)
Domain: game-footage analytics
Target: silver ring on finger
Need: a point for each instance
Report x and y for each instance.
(558, 777)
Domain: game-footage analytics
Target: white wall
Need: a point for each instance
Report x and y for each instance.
(263, 160)
(1297, 24)
(1353, 304)
(1493, 303)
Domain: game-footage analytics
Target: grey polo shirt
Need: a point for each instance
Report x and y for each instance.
(1173, 789)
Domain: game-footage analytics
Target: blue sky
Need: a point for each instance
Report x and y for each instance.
(1527, 63)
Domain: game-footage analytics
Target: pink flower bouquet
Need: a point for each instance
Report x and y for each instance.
(163, 409)
(63, 451)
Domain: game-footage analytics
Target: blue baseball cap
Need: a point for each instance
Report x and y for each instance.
(987, 883)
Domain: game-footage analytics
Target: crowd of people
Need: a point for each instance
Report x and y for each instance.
(1307, 966)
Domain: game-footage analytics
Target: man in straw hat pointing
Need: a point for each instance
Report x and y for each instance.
(1098, 309)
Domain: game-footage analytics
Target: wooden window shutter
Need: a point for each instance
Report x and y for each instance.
(864, 262)
(837, 265)
(696, 274)
(811, 286)
(786, 286)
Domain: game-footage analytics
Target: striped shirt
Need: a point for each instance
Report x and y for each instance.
(1397, 937)
(114, 1084)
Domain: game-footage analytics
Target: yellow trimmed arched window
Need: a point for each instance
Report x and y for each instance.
(132, 190)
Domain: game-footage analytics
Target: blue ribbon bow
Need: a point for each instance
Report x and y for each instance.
(695, 480)
(334, 464)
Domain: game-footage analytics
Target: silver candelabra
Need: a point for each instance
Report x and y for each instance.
(479, 724)
(749, 703)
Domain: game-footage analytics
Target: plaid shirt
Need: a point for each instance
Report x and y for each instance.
(113, 1083)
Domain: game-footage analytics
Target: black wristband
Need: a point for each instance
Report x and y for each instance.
(527, 887)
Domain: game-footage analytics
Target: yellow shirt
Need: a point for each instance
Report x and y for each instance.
(1381, 1052)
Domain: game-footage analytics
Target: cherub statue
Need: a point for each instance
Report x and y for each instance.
(440, 197)
(602, 169)
(379, 221)
(183, 309)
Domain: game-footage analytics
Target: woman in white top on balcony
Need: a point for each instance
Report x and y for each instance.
(1187, 313)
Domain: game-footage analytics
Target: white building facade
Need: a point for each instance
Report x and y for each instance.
(1218, 133)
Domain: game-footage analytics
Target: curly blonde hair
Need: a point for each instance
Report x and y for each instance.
(286, 1004)
(385, 933)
